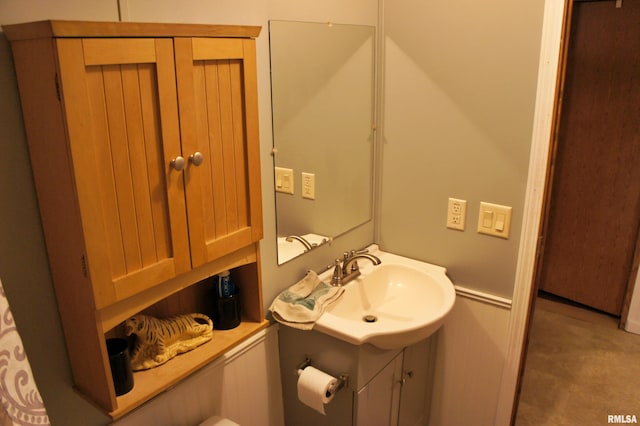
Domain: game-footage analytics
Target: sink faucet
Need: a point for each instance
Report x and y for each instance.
(307, 245)
(342, 274)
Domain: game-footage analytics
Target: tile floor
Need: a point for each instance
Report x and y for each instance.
(580, 369)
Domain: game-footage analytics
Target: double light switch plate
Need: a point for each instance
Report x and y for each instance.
(494, 219)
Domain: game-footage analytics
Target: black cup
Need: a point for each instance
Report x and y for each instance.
(118, 350)
(226, 314)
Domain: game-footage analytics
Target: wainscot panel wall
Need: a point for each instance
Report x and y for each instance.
(243, 385)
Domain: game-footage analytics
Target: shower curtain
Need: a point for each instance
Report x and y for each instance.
(21, 401)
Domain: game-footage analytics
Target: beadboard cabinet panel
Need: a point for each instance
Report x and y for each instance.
(122, 121)
(217, 86)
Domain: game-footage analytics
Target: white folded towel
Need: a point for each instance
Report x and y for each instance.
(303, 303)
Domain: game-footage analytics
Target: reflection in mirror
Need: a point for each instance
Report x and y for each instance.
(322, 82)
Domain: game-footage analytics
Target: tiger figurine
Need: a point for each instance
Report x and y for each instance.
(159, 340)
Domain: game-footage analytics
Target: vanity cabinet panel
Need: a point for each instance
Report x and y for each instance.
(377, 401)
(107, 107)
(385, 387)
(417, 383)
(400, 394)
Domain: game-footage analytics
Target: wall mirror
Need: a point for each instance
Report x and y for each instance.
(323, 91)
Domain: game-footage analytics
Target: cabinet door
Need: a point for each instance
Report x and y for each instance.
(120, 104)
(217, 92)
(417, 381)
(377, 401)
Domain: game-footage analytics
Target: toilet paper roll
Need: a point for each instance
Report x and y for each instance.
(313, 388)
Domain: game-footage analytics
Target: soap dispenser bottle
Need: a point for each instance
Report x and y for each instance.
(226, 313)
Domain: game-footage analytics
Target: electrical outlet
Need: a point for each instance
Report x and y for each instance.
(456, 214)
(309, 186)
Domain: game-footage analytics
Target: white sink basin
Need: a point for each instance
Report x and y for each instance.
(393, 305)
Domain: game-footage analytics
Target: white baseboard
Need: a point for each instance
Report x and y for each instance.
(632, 326)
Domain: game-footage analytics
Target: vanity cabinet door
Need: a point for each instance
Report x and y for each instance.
(217, 94)
(400, 393)
(377, 402)
(417, 380)
(120, 105)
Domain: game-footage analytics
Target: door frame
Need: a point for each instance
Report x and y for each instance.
(551, 79)
(550, 72)
(634, 277)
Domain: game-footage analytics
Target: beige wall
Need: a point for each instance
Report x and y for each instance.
(23, 263)
(458, 116)
(458, 108)
(24, 268)
(460, 86)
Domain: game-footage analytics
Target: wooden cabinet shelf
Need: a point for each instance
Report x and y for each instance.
(144, 147)
(190, 298)
(149, 383)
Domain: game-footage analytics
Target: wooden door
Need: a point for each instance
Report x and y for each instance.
(595, 203)
(217, 91)
(120, 103)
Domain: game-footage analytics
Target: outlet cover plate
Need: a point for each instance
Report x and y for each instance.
(456, 214)
(308, 185)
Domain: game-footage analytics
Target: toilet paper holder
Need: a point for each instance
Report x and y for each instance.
(343, 379)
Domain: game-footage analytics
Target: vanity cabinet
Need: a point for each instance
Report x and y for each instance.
(384, 387)
(145, 154)
(400, 394)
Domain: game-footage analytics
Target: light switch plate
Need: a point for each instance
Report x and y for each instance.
(284, 180)
(494, 219)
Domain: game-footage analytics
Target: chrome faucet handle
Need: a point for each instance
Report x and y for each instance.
(336, 278)
(346, 260)
(354, 264)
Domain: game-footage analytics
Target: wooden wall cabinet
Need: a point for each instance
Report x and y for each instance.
(145, 153)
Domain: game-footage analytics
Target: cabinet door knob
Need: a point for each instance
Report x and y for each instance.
(178, 163)
(196, 158)
(405, 376)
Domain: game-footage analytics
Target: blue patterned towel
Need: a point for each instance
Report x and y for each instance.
(301, 305)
